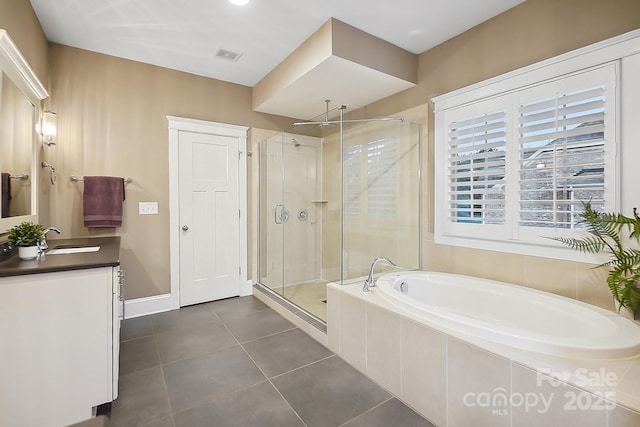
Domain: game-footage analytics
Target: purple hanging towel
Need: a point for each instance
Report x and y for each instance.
(6, 193)
(102, 201)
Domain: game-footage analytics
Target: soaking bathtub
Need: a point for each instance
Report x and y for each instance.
(512, 315)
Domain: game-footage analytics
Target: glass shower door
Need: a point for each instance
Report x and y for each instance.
(291, 220)
(302, 229)
(273, 215)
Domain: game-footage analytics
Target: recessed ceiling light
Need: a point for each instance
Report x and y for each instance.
(239, 2)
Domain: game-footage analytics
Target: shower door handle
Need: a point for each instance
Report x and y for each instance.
(277, 213)
(281, 215)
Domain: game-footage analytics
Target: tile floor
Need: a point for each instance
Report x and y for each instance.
(236, 362)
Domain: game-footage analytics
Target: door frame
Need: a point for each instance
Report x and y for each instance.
(176, 125)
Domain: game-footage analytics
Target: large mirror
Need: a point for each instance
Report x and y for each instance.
(16, 150)
(21, 94)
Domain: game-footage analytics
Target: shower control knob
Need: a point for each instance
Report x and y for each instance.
(185, 228)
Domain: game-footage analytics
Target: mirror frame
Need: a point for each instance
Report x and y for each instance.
(17, 69)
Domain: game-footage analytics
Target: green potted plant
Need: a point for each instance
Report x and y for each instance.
(27, 237)
(618, 236)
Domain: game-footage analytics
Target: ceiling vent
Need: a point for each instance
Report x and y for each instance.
(227, 55)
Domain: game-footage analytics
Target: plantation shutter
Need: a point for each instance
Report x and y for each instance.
(382, 178)
(476, 168)
(561, 143)
(352, 179)
(517, 156)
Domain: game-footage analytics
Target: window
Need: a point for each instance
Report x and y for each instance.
(352, 179)
(477, 168)
(516, 167)
(561, 157)
(376, 195)
(382, 177)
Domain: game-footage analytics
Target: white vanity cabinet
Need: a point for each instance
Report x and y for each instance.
(59, 338)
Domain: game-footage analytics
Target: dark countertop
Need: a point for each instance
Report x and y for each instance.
(107, 256)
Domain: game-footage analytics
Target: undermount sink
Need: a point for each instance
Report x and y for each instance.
(72, 249)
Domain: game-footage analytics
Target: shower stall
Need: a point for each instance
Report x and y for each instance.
(335, 194)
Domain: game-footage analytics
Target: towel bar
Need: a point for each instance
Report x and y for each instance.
(76, 179)
(23, 177)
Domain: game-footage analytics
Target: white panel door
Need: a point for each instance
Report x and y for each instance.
(209, 217)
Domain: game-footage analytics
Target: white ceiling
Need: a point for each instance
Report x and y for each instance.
(186, 34)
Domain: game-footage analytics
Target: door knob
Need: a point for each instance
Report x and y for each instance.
(185, 227)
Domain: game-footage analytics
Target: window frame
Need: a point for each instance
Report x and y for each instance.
(613, 51)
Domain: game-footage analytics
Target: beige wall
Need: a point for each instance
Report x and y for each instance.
(20, 21)
(528, 33)
(531, 32)
(112, 121)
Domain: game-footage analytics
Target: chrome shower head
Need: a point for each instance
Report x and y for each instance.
(295, 142)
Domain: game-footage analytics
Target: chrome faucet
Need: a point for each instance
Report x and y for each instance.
(43, 243)
(369, 283)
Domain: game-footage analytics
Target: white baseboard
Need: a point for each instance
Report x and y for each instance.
(148, 305)
(246, 288)
(159, 303)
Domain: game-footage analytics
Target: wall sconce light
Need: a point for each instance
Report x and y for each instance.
(49, 126)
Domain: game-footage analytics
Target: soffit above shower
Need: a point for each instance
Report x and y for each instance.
(338, 62)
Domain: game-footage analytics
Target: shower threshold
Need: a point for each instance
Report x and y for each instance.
(300, 312)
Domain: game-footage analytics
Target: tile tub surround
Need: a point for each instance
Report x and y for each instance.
(236, 362)
(454, 380)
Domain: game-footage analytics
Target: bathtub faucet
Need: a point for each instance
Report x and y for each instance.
(369, 283)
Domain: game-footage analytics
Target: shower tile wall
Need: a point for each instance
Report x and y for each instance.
(331, 209)
(302, 187)
(367, 236)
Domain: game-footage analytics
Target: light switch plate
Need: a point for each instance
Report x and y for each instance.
(148, 208)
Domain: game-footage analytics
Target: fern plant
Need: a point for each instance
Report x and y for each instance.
(608, 233)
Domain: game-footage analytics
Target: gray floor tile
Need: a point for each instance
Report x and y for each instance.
(329, 393)
(197, 380)
(238, 306)
(208, 379)
(285, 351)
(257, 325)
(188, 342)
(391, 413)
(137, 355)
(135, 328)
(259, 406)
(142, 399)
(186, 317)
